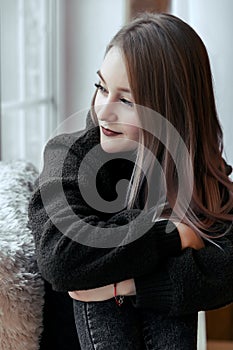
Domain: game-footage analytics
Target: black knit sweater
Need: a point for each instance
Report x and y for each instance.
(166, 279)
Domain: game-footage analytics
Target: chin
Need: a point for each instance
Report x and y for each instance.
(117, 147)
(110, 149)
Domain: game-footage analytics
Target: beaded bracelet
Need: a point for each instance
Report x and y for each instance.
(118, 298)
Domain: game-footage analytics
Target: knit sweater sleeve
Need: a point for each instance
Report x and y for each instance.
(67, 230)
(191, 282)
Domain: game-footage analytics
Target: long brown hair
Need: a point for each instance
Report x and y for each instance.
(169, 72)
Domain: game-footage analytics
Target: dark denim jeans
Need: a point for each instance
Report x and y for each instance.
(106, 326)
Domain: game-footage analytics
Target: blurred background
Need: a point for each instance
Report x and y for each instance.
(50, 52)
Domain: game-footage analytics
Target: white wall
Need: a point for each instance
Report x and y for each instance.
(212, 19)
(85, 28)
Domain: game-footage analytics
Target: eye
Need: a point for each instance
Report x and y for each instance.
(127, 102)
(100, 88)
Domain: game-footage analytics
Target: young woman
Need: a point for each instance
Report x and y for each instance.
(162, 245)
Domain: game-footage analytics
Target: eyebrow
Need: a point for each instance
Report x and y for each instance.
(119, 88)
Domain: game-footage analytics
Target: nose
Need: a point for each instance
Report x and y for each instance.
(107, 112)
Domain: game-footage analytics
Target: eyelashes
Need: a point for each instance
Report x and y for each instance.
(100, 88)
(104, 92)
(127, 102)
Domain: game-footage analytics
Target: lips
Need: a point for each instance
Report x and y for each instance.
(109, 132)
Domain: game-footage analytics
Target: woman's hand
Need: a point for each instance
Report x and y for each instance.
(96, 294)
(189, 239)
(126, 287)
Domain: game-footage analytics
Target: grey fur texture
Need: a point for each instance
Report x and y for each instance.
(21, 287)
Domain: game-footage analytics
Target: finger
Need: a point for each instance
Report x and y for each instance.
(74, 295)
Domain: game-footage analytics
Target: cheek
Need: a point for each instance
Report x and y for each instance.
(133, 119)
(133, 132)
(97, 99)
(100, 100)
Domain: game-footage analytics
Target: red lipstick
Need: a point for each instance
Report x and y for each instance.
(109, 132)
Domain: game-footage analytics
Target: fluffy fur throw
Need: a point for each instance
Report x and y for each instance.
(21, 287)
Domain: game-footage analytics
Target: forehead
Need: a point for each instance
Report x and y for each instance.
(113, 68)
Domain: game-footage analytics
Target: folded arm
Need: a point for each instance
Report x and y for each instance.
(59, 228)
(193, 281)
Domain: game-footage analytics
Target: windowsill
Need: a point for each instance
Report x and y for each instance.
(219, 345)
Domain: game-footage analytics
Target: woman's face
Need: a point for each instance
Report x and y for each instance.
(114, 106)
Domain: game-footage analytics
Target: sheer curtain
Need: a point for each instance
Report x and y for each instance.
(28, 112)
(50, 52)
